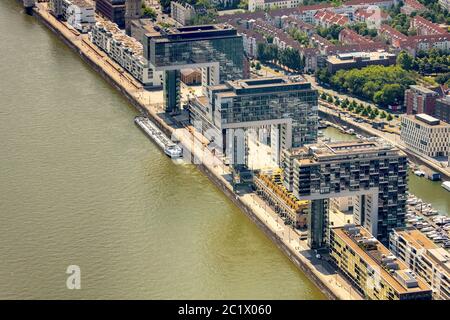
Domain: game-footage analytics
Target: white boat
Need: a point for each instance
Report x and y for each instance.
(170, 148)
(446, 185)
(419, 173)
(173, 151)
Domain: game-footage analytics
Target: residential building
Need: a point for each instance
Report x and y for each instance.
(358, 4)
(410, 6)
(254, 5)
(442, 109)
(287, 105)
(425, 27)
(126, 51)
(419, 99)
(79, 14)
(372, 16)
(424, 257)
(372, 172)
(372, 268)
(425, 135)
(326, 19)
(348, 36)
(359, 60)
(113, 10)
(183, 13)
(394, 37)
(133, 11)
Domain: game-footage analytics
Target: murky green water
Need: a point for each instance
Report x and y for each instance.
(80, 184)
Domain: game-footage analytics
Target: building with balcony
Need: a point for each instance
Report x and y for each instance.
(372, 172)
(429, 261)
(126, 51)
(425, 135)
(372, 268)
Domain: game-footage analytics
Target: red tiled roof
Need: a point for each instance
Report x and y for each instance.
(331, 17)
(414, 4)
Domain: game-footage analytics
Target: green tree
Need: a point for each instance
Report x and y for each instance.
(330, 99)
(389, 117)
(405, 60)
(258, 66)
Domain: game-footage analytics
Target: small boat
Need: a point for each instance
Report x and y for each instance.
(446, 185)
(173, 151)
(420, 173)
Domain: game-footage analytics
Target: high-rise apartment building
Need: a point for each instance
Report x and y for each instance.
(373, 173)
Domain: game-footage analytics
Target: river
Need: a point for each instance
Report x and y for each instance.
(81, 185)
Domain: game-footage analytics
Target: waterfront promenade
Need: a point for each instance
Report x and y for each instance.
(149, 103)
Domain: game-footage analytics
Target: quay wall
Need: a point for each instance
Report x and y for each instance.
(205, 170)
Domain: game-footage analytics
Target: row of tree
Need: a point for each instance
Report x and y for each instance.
(288, 57)
(382, 85)
(361, 109)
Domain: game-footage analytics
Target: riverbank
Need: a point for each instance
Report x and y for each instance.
(330, 283)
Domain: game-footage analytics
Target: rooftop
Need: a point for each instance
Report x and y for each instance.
(192, 33)
(426, 120)
(354, 56)
(323, 152)
(418, 240)
(393, 271)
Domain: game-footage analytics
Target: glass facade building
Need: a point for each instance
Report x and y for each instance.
(217, 48)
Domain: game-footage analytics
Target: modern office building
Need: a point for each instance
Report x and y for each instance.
(133, 11)
(217, 49)
(425, 135)
(372, 268)
(182, 13)
(126, 51)
(288, 106)
(424, 257)
(113, 10)
(373, 173)
(419, 99)
(442, 109)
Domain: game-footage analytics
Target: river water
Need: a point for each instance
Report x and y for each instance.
(81, 185)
